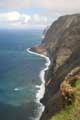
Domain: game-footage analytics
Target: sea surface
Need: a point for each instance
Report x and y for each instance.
(19, 74)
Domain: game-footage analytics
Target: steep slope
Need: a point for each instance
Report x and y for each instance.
(62, 45)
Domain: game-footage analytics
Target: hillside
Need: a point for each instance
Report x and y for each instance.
(62, 45)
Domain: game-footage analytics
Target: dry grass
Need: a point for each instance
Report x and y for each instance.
(71, 112)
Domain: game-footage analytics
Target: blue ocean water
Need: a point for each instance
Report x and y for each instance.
(19, 74)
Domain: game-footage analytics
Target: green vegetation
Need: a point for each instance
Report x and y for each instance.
(78, 84)
(71, 112)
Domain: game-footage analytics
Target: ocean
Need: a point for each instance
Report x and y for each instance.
(19, 74)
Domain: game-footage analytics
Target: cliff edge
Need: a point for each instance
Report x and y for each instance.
(62, 45)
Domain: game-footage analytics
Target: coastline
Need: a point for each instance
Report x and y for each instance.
(41, 91)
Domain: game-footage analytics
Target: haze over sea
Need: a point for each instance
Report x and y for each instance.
(19, 74)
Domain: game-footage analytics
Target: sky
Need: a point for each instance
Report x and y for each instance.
(30, 13)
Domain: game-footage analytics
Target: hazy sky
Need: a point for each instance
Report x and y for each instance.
(25, 13)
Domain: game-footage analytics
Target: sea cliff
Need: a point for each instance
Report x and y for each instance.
(62, 45)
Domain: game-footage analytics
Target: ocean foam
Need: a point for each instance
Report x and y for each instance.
(41, 90)
(19, 88)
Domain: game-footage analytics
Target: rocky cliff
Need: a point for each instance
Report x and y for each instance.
(62, 45)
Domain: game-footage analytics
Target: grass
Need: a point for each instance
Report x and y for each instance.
(71, 112)
(78, 84)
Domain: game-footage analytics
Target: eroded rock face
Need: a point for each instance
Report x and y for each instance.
(62, 44)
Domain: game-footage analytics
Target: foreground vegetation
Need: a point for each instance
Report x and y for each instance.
(71, 112)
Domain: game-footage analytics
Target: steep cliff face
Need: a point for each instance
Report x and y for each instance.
(62, 45)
